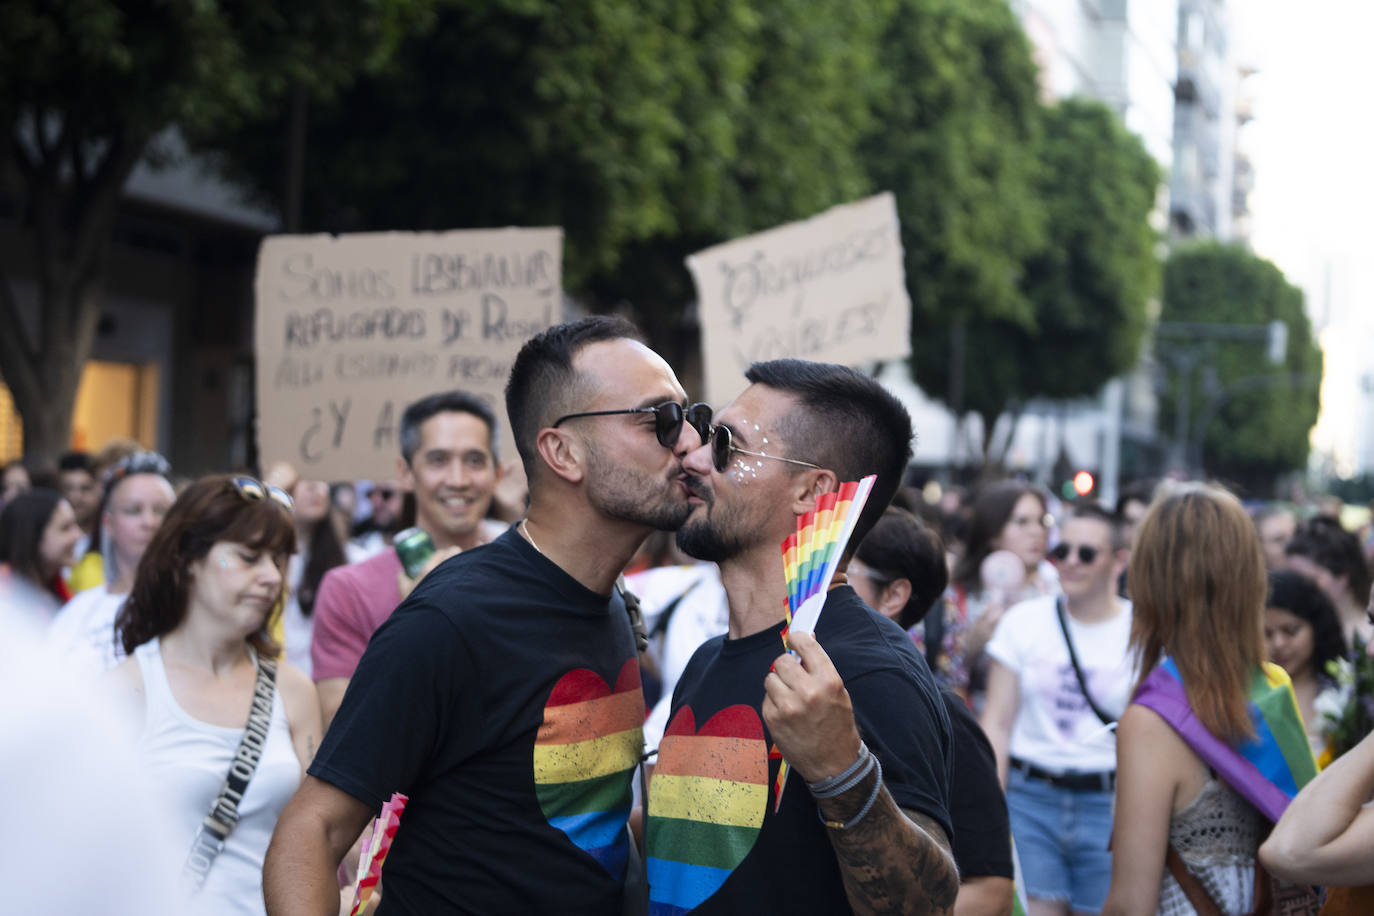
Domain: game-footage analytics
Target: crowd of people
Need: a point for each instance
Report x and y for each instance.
(1007, 700)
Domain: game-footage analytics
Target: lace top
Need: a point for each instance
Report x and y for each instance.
(1217, 836)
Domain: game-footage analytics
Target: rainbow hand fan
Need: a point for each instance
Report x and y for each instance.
(816, 548)
(810, 556)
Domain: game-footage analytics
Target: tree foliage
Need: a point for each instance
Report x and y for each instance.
(1256, 416)
(85, 88)
(1084, 286)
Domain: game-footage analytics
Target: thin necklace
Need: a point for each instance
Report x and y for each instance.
(525, 530)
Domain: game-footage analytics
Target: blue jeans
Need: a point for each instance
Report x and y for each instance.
(1061, 840)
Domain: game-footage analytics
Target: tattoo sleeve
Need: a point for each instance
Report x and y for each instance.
(892, 861)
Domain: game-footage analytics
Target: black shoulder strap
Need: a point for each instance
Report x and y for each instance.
(224, 811)
(666, 615)
(635, 614)
(1073, 657)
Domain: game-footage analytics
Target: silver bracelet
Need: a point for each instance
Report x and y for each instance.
(868, 805)
(841, 783)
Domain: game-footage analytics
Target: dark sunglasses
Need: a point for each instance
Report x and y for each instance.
(1086, 554)
(251, 488)
(382, 494)
(723, 443)
(668, 418)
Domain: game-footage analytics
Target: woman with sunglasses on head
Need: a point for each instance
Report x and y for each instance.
(1212, 736)
(1007, 516)
(202, 664)
(38, 537)
(1060, 673)
(138, 493)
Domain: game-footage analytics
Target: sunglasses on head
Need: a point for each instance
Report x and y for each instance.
(668, 419)
(251, 488)
(723, 444)
(1086, 554)
(137, 463)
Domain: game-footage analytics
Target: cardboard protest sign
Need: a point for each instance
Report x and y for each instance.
(830, 288)
(351, 329)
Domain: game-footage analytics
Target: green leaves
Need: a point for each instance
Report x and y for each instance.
(1257, 416)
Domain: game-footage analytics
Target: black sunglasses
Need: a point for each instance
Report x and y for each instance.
(251, 488)
(723, 443)
(668, 418)
(1086, 554)
(137, 463)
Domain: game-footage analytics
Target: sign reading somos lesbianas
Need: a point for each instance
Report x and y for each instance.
(352, 328)
(830, 288)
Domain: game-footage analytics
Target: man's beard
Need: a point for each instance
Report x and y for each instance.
(626, 494)
(703, 537)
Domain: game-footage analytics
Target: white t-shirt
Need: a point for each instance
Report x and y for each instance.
(82, 633)
(1055, 728)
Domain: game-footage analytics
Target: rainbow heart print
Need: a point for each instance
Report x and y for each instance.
(584, 757)
(706, 805)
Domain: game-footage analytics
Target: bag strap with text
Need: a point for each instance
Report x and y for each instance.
(1073, 657)
(224, 812)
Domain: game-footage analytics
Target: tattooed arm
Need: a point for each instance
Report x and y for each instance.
(893, 860)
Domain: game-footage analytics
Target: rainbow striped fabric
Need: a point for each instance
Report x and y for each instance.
(811, 554)
(584, 757)
(710, 792)
(1268, 770)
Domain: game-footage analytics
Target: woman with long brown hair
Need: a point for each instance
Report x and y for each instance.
(202, 662)
(1197, 578)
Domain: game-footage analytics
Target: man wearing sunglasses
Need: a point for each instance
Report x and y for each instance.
(1061, 671)
(503, 695)
(862, 824)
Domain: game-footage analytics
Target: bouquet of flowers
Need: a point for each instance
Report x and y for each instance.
(1346, 706)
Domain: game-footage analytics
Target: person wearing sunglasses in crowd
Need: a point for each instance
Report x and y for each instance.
(862, 824)
(503, 695)
(138, 493)
(1060, 673)
(448, 461)
(201, 665)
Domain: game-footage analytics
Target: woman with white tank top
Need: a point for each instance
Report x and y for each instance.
(195, 627)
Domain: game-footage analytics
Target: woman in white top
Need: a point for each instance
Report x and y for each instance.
(138, 493)
(196, 624)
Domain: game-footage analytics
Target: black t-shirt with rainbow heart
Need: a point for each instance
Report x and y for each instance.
(714, 843)
(504, 698)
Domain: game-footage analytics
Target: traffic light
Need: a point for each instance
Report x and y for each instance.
(1081, 485)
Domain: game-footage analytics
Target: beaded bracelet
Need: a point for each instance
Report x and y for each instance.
(868, 805)
(841, 783)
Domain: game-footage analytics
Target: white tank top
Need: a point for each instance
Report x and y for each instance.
(188, 760)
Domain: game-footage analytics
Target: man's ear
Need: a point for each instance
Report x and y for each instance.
(894, 597)
(810, 487)
(404, 475)
(562, 453)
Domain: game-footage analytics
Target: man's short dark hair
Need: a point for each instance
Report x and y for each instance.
(75, 461)
(444, 402)
(1137, 491)
(543, 385)
(847, 422)
(1094, 512)
(901, 546)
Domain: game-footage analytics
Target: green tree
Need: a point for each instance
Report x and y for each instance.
(646, 130)
(85, 91)
(1090, 281)
(1253, 417)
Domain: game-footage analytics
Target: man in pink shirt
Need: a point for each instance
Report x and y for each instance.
(448, 460)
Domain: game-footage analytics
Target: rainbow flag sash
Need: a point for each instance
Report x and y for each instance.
(1268, 770)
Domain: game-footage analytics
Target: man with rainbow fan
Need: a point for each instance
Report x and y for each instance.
(864, 826)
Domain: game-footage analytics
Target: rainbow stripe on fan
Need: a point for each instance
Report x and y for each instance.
(810, 556)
